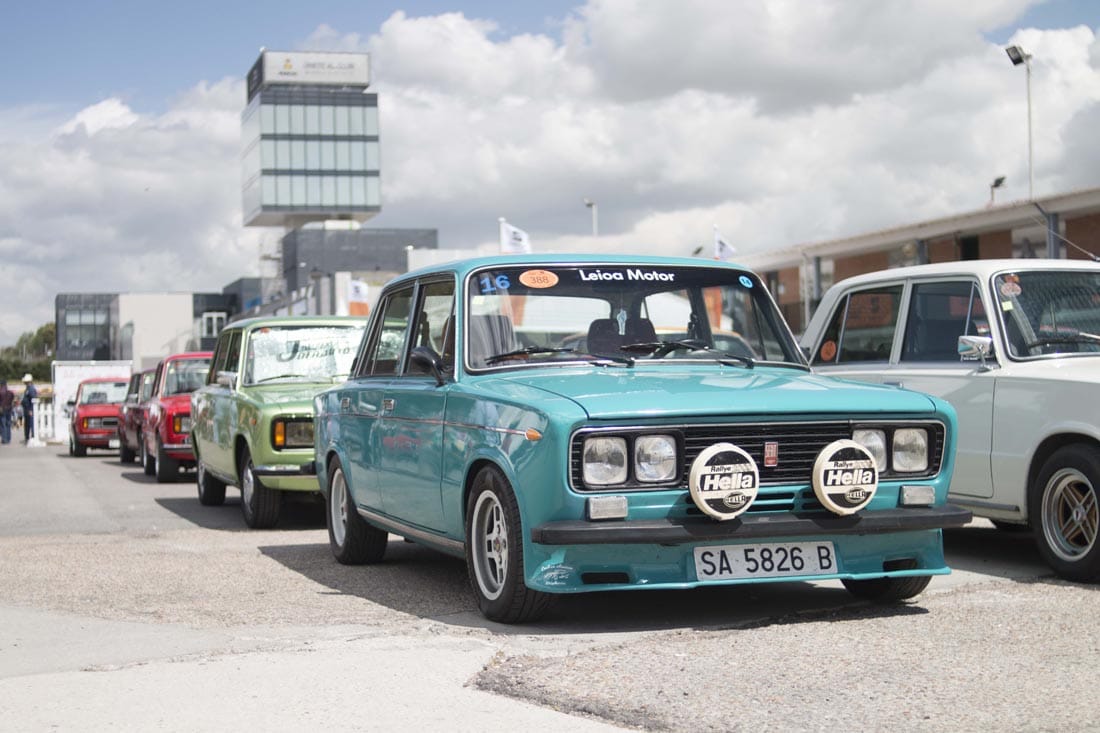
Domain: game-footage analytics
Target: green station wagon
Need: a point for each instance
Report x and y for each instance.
(252, 422)
(646, 456)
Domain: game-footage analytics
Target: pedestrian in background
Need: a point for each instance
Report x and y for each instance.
(29, 394)
(7, 406)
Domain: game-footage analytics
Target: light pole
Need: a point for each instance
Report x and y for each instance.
(1019, 56)
(997, 183)
(595, 216)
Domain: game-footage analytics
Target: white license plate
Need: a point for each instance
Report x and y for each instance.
(113, 443)
(770, 560)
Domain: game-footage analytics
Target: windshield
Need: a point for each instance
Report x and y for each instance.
(103, 393)
(1049, 312)
(621, 312)
(185, 375)
(305, 353)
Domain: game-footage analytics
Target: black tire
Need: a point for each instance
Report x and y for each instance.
(211, 489)
(125, 454)
(76, 449)
(1063, 506)
(148, 464)
(887, 589)
(353, 540)
(1010, 526)
(494, 552)
(259, 504)
(167, 469)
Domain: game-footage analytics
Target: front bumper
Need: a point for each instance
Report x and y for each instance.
(757, 526)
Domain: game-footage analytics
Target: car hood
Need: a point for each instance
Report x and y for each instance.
(286, 394)
(108, 409)
(705, 391)
(176, 402)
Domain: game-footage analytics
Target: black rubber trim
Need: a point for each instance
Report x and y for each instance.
(693, 529)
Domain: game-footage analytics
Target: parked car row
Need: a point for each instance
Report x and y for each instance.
(589, 423)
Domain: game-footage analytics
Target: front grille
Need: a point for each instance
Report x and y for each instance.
(799, 445)
(103, 422)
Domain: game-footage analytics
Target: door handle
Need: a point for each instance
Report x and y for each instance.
(896, 383)
(387, 405)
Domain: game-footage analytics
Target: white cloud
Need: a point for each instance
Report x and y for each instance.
(781, 122)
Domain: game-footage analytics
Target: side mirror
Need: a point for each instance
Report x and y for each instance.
(71, 404)
(425, 360)
(226, 379)
(975, 347)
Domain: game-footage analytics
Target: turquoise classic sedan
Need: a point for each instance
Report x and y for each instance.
(572, 423)
(252, 422)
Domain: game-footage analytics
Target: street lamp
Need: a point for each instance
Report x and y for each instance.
(1019, 56)
(595, 216)
(997, 183)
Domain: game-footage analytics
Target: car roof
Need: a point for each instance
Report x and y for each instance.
(983, 269)
(95, 380)
(461, 268)
(259, 321)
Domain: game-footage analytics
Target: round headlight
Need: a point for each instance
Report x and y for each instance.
(875, 442)
(655, 458)
(604, 461)
(910, 450)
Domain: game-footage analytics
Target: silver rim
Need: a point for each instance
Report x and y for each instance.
(489, 538)
(200, 475)
(338, 507)
(1070, 515)
(248, 484)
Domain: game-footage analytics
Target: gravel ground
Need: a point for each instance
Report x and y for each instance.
(1000, 655)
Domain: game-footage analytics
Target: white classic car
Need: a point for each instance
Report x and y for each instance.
(1014, 346)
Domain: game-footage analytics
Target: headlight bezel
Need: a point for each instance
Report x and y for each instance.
(893, 468)
(286, 435)
(634, 478)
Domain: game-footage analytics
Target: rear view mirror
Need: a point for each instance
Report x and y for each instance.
(975, 347)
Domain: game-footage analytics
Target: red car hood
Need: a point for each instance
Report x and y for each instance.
(177, 404)
(98, 410)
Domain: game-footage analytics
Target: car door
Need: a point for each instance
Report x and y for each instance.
(410, 461)
(360, 398)
(937, 313)
(219, 406)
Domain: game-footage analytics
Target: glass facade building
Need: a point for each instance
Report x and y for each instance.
(310, 150)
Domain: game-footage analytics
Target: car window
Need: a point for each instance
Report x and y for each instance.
(1049, 312)
(102, 393)
(317, 352)
(938, 314)
(862, 327)
(524, 316)
(183, 376)
(217, 364)
(147, 381)
(388, 340)
(434, 322)
(233, 354)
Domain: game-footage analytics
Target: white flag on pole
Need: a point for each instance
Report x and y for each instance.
(513, 240)
(723, 250)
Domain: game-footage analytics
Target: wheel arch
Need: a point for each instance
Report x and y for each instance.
(1047, 448)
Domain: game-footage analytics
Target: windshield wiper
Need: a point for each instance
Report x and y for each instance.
(661, 349)
(535, 350)
(282, 376)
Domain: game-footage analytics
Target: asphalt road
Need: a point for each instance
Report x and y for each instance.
(126, 605)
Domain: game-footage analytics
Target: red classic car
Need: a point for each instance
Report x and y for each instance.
(93, 414)
(132, 415)
(166, 432)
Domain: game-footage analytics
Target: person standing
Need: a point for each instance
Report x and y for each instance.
(7, 405)
(29, 394)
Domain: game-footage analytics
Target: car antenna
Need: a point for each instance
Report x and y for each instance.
(1079, 248)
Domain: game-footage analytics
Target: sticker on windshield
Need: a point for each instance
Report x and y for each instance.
(538, 279)
(1010, 289)
(628, 274)
(828, 350)
(746, 281)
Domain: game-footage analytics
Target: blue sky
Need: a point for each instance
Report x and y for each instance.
(780, 122)
(75, 52)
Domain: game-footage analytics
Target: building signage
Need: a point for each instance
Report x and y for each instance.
(301, 67)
